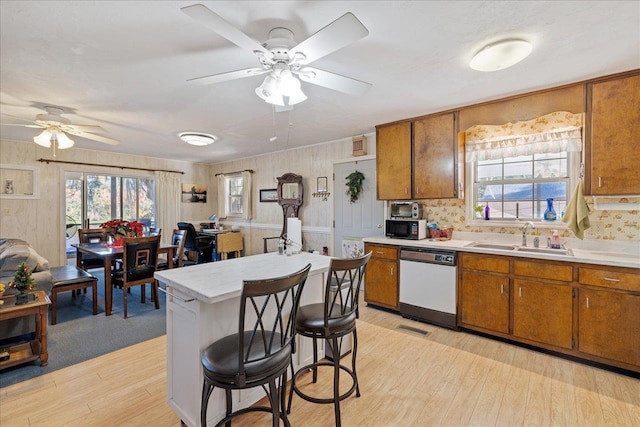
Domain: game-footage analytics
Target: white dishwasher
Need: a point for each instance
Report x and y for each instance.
(428, 280)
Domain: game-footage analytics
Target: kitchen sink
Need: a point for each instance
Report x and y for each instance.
(498, 246)
(565, 252)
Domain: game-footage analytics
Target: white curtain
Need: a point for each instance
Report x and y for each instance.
(167, 203)
(222, 197)
(552, 133)
(246, 195)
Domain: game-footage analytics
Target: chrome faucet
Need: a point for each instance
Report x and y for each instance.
(524, 231)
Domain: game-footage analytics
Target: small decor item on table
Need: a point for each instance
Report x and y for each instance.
(120, 228)
(23, 281)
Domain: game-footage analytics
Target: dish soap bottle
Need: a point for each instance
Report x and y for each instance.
(486, 212)
(555, 240)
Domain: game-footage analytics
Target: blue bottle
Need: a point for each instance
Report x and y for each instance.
(550, 213)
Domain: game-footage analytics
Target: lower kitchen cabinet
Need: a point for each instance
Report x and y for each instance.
(591, 312)
(484, 301)
(543, 312)
(381, 284)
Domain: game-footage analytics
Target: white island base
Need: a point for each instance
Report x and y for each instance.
(203, 305)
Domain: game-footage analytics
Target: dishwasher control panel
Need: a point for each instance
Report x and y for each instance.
(428, 255)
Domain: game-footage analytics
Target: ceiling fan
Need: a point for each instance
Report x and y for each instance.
(282, 59)
(56, 127)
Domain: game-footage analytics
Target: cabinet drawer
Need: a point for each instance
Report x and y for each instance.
(495, 264)
(384, 252)
(543, 270)
(610, 279)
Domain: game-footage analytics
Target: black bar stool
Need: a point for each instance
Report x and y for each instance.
(259, 353)
(331, 321)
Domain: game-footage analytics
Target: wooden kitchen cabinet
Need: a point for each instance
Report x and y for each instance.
(609, 314)
(393, 161)
(381, 281)
(417, 160)
(434, 157)
(483, 292)
(614, 117)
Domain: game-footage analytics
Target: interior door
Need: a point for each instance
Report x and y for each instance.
(353, 221)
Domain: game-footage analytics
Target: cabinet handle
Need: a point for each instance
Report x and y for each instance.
(417, 190)
(611, 279)
(380, 252)
(587, 302)
(519, 291)
(502, 288)
(391, 272)
(406, 190)
(599, 181)
(175, 296)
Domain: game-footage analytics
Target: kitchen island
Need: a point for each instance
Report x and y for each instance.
(203, 304)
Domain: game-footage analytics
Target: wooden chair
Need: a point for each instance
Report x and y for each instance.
(90, 235)
(331, 320)
(178, 239)
(260, 352)
(140, 262)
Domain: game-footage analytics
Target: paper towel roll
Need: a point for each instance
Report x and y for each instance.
(294, 233)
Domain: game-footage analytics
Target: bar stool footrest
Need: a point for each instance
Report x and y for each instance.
(328, 399)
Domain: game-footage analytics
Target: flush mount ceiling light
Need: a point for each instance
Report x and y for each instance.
(53, 136)
(197, 138)
(500, 55)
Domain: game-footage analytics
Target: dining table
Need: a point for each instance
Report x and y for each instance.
(109, 253)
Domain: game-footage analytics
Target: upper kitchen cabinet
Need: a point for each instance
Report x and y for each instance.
(434, 157)
(393, 161)
(417, 160)
(613, 120)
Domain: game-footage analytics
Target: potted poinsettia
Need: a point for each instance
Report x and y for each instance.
(23, 282)
(121, 228)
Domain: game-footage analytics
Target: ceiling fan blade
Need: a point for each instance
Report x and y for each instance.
(82, 128)
(338, 34)
(231, 75)
(215, 22)
(24, 120)
(93, 137)
(333, 81)
(24, 126)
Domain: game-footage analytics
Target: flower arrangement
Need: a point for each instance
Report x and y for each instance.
(22, 280)
(120, 228)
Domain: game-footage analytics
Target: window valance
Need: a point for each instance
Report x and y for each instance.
(552, 133)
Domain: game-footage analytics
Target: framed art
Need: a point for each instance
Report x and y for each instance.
(322, 184)
(269, 195)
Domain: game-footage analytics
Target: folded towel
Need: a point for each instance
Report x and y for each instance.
(576, 214)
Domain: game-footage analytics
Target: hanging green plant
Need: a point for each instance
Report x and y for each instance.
(354, 185)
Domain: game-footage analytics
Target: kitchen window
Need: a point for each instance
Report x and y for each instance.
(516, 167)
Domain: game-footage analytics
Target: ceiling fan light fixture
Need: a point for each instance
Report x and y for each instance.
(287, 83)
(63, 141)
(297, 97)
(44, 139)
(501, 55)
(197, 138)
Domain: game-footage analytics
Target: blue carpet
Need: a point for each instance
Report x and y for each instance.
(78, 335)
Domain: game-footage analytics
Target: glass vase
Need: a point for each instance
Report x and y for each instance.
(550, 212)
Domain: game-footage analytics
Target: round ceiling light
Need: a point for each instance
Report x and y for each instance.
(197, 138)
(500, 55)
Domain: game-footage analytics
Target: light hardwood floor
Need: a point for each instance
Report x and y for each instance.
(443, 379)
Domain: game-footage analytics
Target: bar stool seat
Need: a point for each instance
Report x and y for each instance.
(70, 278)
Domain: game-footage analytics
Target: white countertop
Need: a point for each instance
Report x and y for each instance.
(618, 254)
(217, 281)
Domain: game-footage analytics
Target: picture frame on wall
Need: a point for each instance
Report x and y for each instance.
(269, 195)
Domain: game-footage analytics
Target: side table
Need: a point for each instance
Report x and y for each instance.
(24, 352)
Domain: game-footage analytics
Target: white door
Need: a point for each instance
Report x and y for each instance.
(353, 221)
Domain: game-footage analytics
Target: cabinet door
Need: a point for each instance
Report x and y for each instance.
(609, 325)
(381, 283)
(484, 301)
(434, 157)
(615, 126)
(543, 312)
(393, 161)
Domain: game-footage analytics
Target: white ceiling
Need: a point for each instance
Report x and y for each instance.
(123, 65)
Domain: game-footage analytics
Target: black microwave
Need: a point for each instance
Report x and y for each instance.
(413, 229)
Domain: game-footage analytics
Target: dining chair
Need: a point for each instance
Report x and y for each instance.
(90, 235)
(140, 261)
(177, 239)
(330, 321)
(260, 352)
